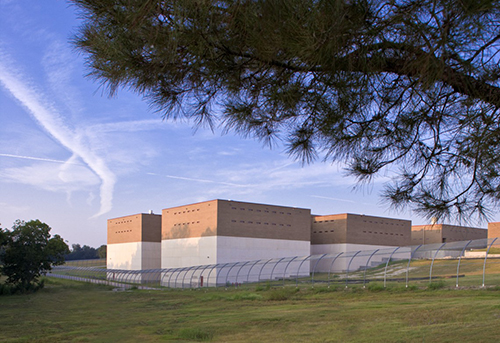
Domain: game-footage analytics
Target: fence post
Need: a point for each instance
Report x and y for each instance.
(272, 270)
(408, 265)
(349, 266)
(314, 269)
(432, 263)
(238, 273)
(229, 271)
(298, 270)
(284, 272)
(366, 266)
(486, 257)
(460, 258)
(250, 270)
(260, 271)
(387, 264)
(331, 265)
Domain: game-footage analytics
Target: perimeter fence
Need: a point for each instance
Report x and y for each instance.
(471, 263)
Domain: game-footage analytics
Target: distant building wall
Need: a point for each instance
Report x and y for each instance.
(360, 229)
(426, 234)
(329, 229)
(444, 233)
(342, 233)
(378, 231)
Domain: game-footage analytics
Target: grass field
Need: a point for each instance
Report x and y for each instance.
(87, 263)
(470, 273)
(78, 312)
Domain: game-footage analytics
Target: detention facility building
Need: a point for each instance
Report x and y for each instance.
(217, 232)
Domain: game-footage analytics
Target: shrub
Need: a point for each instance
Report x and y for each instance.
(375, 287)
(5, 289)
(196, 334)
(261, 287)
(281, 294)
(436, 285)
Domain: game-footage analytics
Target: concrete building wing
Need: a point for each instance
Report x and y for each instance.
(225, 231)
(134, 242)
(444, 233)
(360, 229)
(340, 233)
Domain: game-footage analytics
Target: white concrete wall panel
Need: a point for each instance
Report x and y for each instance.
(237, 249)
(126, 256)
(241, 249)
(186, 252)
(151, 255)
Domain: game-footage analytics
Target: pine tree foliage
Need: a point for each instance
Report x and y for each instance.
(407, 88)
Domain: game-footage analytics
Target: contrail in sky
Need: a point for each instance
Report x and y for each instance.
(39, 159)
(52, 122)
(199, 180)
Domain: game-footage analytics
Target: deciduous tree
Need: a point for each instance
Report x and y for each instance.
(408, 88)
(102, 251)
(30, 251)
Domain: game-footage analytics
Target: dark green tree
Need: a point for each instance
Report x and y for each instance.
(405, 88)
(82, 253)
(102, 251)
(3, 243)
(30, 251)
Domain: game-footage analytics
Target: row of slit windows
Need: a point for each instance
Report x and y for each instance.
(265, 211)
(179, 224)
(366, 221)
(123, 222)
(187, 211)
(259, 223)
(386, 233)
(442, 240)
(372, 232)
(385, 223)
(123, 231)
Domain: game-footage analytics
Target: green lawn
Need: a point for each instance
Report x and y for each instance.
(79, 312)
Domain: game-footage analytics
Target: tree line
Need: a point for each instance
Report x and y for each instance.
(85, 253)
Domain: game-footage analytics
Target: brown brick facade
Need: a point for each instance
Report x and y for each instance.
(135, 228)
(360, 229)
(236, 219)
(444, 233)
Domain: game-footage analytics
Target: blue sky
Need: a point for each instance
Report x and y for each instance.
(73, 157)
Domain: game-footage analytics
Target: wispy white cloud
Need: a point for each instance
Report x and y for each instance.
(126, 126)
(39, 159)
(190, 179)
(241, 179)
(50, 119)
(48, 177)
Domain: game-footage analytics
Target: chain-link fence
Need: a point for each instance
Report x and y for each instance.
(467, 263)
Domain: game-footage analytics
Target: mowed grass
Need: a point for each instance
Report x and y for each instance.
(67, 311)
(87, 263)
